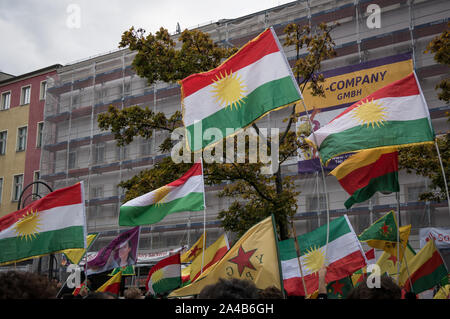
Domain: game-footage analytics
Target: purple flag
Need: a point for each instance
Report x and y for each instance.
(120, 252)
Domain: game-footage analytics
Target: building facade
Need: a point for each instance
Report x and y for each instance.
(74, 148)
(21, 127)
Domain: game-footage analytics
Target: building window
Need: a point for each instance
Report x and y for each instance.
(5, 101)
(21, 138)
(1, 188)
(316, 203)
(97, 191)
(25, 95)
(3, 136)
(99, 154)
(414, 192)
(72, 160)
(43, 90)
(40, 129)
(17, 187)
(36, 177)
(122, 152)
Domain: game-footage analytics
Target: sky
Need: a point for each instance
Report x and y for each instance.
(36, 34)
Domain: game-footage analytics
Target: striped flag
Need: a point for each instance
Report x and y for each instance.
(183, 194)
(51, 224)
(212, 255)
(366, 172)
(165, 275)
(425, 270)
(344, 257)
(254, 81)
(395, 115)
(112, 285)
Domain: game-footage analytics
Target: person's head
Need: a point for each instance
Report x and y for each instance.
(388, 290)
(26, 285)
(133, 293)
(271, 292)
(230, 289)
(124, 252)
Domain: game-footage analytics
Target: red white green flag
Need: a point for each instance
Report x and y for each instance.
(183, 194)
(344, 256)
(51, 224)
(165, 275)
(254, 81)
(395, 115)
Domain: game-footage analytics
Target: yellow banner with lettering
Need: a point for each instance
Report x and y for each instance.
(349, 87)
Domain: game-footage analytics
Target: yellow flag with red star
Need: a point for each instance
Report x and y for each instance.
(195, 250)
(253, 257)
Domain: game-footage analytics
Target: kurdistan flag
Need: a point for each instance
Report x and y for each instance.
(165, 275)
(253, 257)
(344, 256)
(51, 224)
(254, 81)
(395, 115)
(183, 194)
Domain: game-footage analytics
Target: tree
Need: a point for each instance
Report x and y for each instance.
(256, 195)
(423, 159)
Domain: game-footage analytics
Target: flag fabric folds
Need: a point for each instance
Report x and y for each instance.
(253, 257)
(395, 115)
(344, 256)
(212, 255)
(251, 83)
(121, 251)
(339, 289)
(183, 194)
(165, 275)
(389, 263)
(51, 224)
(366, 172)
(194, 251)
(425, 270)
(112, 285)
(75, 255)
(382, 234)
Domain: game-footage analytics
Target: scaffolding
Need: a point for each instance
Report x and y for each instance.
(75, 149)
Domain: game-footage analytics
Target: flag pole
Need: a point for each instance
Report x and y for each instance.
(204, 216)
(443, 174)
(323, 179)
(297, 248)
(397, 195)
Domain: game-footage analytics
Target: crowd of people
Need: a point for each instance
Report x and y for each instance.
(28, 285)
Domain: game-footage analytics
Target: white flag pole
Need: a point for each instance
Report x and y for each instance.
(435, 143)
(315, 140)
(204, 216)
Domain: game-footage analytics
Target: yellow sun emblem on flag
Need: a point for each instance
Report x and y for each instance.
(160, 195)
(157, 275)
(229, 90)
(314, 258)
(28, 226)
(370, 113)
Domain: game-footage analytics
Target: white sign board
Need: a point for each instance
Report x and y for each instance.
(441, 236)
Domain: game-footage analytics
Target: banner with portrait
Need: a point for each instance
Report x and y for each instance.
(120, 252)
